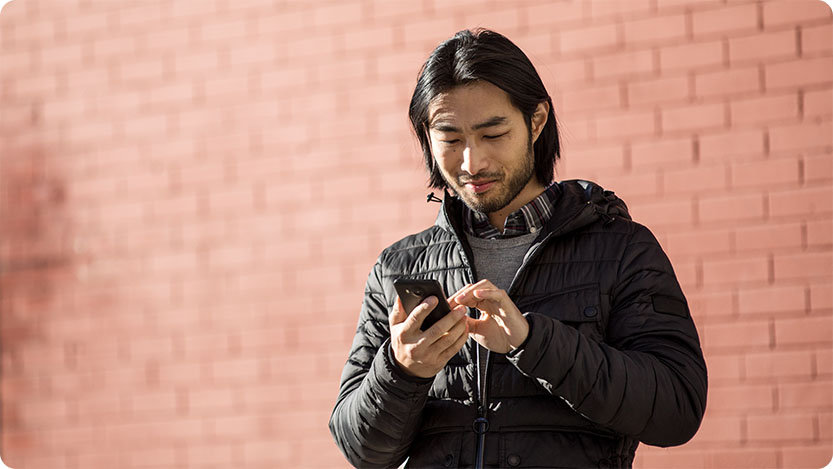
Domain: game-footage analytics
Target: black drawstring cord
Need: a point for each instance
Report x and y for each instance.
(432, 198)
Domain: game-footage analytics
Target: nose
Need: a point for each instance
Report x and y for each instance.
(473, 159)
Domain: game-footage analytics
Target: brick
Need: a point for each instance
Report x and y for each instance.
(768, 237)
(817, 103)
(766, 109)
(779, 427)
(694, 117)
(509, 19)
(276, 453)
(664, 458)
(692, 56)
(718, 429)
(805, 136)
(663, 90)
(368, 38)
(588, 38)
(724, 368)
(662, 153)
(825, 426)
(204, 401)
(779, 364)
(220, 454)
(734, 271)
(801, 202)
(804, 331)
(818, 455)
(819, 233)
(824, 363)
(624, 64)
(592, 99)
(550, 13)
(765, 46)
(631, 124)
(814, 394)
(700, 179)
(141, 70)
(821, 298)
(772, 300)
(712, 304)
(656, 29)
(602, 9)
(223, 30)
(727, 82)
(633, 186)
(195, 62)
(766, 173)
(254, 52)
(578, 132)
(816, 39)
(329, 15)
(588, 158)
(153, 402)
(731, 207)
(687, 274)
(758, 458)
(731, 20)
(742, 397)
(160, 41)
(744, 335)
(798, 73)
(665, 213)
(428, 31)
(815, 265)
(785, 12)
(61, 55)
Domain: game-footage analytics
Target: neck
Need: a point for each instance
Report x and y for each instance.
(532, 190)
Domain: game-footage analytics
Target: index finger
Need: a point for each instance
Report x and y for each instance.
(452, 300)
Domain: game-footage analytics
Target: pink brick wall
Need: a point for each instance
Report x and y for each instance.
(173, 175)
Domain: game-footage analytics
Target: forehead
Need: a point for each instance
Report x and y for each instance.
(471, 102)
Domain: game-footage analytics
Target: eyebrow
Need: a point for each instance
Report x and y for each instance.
(490, 122)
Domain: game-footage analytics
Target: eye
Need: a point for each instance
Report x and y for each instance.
(493, 137)
(451, 142)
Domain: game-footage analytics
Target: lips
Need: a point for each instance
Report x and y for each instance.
(479, 186)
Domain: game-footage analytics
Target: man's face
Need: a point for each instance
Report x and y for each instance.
(483, 147)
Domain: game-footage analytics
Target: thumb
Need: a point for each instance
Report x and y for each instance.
(398, 314)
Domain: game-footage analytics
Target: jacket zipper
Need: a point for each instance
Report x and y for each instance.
(481, 422)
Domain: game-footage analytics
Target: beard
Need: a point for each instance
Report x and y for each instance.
(506, 188)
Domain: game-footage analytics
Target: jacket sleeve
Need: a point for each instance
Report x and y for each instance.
(648, 378)
(377, 412)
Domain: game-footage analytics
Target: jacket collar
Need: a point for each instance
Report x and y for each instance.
(577, 204)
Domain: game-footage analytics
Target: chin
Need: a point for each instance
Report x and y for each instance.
(487, 203)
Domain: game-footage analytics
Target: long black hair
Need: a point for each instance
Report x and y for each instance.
(482, 54)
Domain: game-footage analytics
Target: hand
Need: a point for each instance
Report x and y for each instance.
(501, 327)
(420, 353)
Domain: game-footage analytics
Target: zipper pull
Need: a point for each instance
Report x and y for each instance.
(480, 425)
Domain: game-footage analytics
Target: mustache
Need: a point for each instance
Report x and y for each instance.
(465, 179)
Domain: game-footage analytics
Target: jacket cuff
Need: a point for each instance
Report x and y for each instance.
(550, 346)
(529, 321)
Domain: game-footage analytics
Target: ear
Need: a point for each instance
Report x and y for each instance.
(539, 119)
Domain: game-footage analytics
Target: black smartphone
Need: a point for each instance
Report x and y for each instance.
(413, 291)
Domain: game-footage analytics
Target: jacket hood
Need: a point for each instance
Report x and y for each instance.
(578, 204)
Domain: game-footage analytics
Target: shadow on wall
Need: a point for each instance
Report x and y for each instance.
(34, 260)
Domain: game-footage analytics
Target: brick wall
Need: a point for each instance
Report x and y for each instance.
(173, 175)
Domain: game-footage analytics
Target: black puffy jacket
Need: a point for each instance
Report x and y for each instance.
(612, 359)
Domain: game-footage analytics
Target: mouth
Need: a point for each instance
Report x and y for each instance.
(479, 186)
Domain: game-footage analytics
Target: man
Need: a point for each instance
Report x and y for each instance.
(569, 339)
